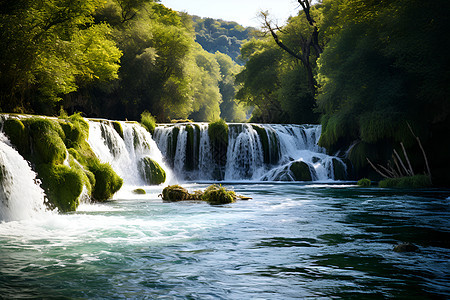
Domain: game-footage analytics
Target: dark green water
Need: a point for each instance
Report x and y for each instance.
(290, 241)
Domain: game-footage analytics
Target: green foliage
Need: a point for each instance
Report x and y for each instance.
(217, 195)
(151, 171)
(364, 182)
(218, 35)
(107, 182)
(50, 49)
(379, 71)
(148, 121)
(62, 184)
(417, 181)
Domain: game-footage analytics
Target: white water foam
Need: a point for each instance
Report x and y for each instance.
(124, 155)
(20, 195)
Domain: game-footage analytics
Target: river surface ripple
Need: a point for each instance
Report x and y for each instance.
(290, 241)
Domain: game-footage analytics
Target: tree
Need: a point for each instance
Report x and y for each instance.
(50, 49)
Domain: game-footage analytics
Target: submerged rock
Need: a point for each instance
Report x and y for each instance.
(406, 247)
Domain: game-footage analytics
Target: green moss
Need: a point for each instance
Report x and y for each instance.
(174, 193)
(107, 182)
(218, 136)
(148, 121)
(139, 192)
(300, 171)
(118, 127)
(47, 140)
(217, 195)
(417, 181)
(88, 177)
(17, 134)
(364, 182)
(151, 171)
(63, 185)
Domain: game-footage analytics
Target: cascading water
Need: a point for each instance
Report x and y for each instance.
(20, 196)
(125, 154)
(258, 152)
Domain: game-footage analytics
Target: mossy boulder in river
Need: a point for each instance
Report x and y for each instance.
(151, 171)
(300, 171)
(175, 193)
(63, 186)
(107, 182)
(216, 195)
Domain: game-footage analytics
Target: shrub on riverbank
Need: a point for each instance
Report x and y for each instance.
(416, 181)
(148, 121)
(364, 182)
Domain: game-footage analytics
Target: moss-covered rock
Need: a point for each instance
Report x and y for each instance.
(364, 182)
(107, 182)
(339, 169)
(118, 128)
(47, 140)
(62, 184)
(151, 171)
(217, 195)
(139, 192)
(270, 144)
(175, 193)
(300, 171)
(218, 136)
(417, 181)
(18, 135)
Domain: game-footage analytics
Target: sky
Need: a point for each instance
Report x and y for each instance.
(243, 12)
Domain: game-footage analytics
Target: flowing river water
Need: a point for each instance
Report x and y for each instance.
(325, 239)
(290, 241)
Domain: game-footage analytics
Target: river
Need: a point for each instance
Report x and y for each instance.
(292, 240)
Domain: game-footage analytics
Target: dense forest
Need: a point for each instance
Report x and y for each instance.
(112, 59)
(219, 35)
(373, 73)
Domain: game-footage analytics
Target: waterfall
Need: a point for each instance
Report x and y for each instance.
(258, 152)
(125, 154)
(20, 195)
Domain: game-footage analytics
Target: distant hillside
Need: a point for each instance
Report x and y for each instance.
(218, 35)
